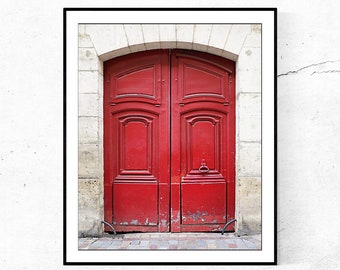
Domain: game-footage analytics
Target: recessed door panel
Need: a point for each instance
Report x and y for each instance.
(202, 141)
(136, 79)
(169, 141)
(202, 79)
(203, 203)
(137, 144)
(132, 82)
(133, 208)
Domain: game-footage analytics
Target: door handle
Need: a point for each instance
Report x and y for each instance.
(203, 168)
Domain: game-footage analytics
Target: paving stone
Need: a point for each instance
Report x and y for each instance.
(249, 244)
(85, 241)
(144, 243)
(210, 241)
(256, 239)
(212, 246)
(173, 242)
(99, 244)
(125, 244)
(154, 242)
(201, 243)
(135, 242)
(82, 240)
(191, 244)
(165, 241)
(116, 244)
(183, 244)
(163, 244)
(84, 245)
(103, 239)
(240, 244)
(221, 244)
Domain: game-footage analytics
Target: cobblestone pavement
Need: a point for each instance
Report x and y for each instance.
(172, 241)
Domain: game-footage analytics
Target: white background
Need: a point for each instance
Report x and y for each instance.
(31, 141)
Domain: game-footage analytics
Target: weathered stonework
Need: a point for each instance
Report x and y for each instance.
(240, 43)
(249, 192)
(90, 200)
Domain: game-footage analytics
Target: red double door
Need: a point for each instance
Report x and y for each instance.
(169, 141)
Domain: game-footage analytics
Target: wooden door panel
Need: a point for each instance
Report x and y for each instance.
(203, 155)
(136, 170)
(203, 141)
(133, 208)
(137, 144)
(139, 81)
(201, 79)
(137, 139)
(203, 203)
(138, 78)
(135, 186)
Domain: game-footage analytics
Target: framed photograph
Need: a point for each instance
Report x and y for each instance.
(170, 136)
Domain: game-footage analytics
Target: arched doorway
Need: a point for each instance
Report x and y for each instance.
(169, 141)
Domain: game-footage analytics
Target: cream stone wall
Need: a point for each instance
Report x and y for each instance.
(238, 42)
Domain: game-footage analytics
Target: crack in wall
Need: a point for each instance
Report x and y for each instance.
(310, 66)
(326, 71)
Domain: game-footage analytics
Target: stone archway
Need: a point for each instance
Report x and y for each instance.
(240, 43)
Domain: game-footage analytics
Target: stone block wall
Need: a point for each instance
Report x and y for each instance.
(90, 132)
(248, 159)
(238, 42)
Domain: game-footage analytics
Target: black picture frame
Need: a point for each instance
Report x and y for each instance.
(66, 258)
